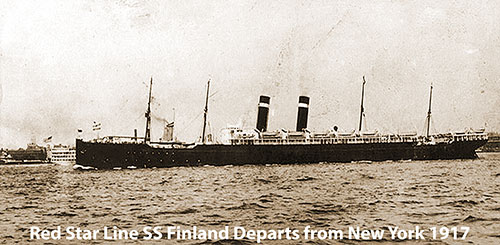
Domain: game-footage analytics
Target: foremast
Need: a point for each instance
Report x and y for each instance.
(362, 111)
(428, 119)
(147, 135)
(205, 112)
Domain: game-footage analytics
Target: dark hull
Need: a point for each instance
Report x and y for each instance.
(21, 162)
(109, 155)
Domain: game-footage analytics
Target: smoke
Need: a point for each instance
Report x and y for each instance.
(162, 119)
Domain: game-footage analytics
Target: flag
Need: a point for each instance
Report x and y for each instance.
(48, 139)
(96, 126)
(80, 133)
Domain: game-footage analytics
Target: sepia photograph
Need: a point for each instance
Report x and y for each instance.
(249, 122)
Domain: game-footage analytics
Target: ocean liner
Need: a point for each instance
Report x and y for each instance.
(238, 146)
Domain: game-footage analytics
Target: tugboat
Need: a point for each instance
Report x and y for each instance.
(258, 146)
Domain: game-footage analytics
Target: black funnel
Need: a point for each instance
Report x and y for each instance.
(263, 113)
(302, 114)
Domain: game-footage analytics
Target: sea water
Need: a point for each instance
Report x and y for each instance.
(328, 196)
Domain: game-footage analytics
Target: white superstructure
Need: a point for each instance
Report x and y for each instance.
(63, 154)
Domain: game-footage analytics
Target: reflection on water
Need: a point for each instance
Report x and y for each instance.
(328, 196)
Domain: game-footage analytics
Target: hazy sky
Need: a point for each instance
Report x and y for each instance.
(65, 64)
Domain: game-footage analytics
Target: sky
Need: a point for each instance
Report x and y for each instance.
(66, 64)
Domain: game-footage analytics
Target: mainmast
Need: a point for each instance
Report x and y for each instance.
(362, 112)
(147, 135)
(428, 119)
(205, 112)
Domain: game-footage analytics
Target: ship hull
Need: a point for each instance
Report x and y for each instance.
(111, 155)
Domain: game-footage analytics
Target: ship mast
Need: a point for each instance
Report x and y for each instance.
(147, 135)
(205, 112)
(428, 119)
(362, 112)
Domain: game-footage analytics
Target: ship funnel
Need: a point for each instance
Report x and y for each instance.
(263, 113)
(302, 114)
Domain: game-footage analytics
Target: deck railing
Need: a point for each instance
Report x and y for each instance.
(362, 139)
(323, 139)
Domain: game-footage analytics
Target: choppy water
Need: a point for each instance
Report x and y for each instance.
(327, 196)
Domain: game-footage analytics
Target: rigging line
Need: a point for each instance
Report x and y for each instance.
(327, 36)
(214, 93)
(433, 125)
(200, 132)
(366, 123)
(139, 117)
(190, 123)
(431, 129)
(378, 126)
(414, 126)
(225, 116)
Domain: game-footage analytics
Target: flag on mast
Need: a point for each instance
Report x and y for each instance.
(48, 139)
(96, 126)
